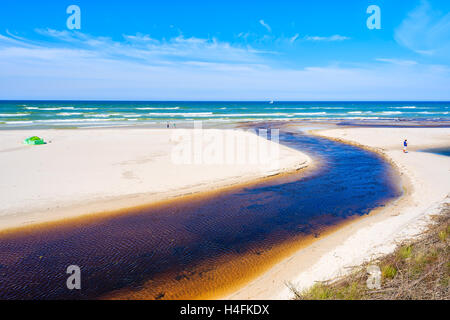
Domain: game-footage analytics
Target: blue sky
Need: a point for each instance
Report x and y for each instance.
(225, 50)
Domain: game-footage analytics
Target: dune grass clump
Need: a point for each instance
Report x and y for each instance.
(388, 272)
(405, 252)
(419, 269)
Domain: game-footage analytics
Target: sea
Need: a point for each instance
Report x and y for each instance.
(21, 114)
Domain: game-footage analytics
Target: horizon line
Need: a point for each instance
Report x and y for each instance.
(266, 101)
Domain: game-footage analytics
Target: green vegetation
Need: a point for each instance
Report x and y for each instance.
(419, 269)
(405, 252)
(388, 272)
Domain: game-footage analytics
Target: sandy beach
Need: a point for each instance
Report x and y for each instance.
(83, 171)
(426, 183)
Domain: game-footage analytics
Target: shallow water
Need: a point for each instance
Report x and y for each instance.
(201, 247)
(441, 151)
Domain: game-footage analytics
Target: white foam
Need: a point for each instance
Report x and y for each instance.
(14, 114)
(67, 114)
(175, 108)
(391, 112)
(310, 113)
(76, 120)
(171, 114)
(18, 122)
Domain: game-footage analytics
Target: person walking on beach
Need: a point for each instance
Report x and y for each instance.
(405, 146)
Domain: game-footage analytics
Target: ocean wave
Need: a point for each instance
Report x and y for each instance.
(174, 108)
(287, 108)
(389, 112)
(18, 122)
(107, 115)
(359, 112)
(77, 120)
(49, 109)
(14, 114)
(430, 112)
(225, 115)
(68, 114)
(328, 108)
(310, 113)
(279, 114)
(187, 114)
(132, 115)
(404, 107)
(57, 108)
(249, 114)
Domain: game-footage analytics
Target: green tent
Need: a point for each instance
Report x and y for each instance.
(34, 141)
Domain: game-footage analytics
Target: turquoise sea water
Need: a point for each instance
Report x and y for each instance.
(100, 113)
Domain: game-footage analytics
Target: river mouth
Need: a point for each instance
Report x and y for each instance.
(204, 247)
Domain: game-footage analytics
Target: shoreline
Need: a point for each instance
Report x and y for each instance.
(338, 249)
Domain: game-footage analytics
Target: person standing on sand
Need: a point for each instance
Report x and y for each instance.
(405, 146)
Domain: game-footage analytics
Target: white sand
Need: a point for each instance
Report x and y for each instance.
(428, 186)
(86, 171)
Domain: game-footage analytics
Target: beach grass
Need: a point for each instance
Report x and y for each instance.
(417, 270)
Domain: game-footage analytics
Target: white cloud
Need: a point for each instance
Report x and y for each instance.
(80, 66)
(335, 37)
(295, 37)
(265, 25)
(150, 50)
(425, 31)
(398, 61)
(243, 35)
(140, 38)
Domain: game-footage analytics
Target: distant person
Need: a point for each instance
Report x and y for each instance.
(405, 146)
(167, 125)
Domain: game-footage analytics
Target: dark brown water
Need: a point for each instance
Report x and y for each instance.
(201, 247)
